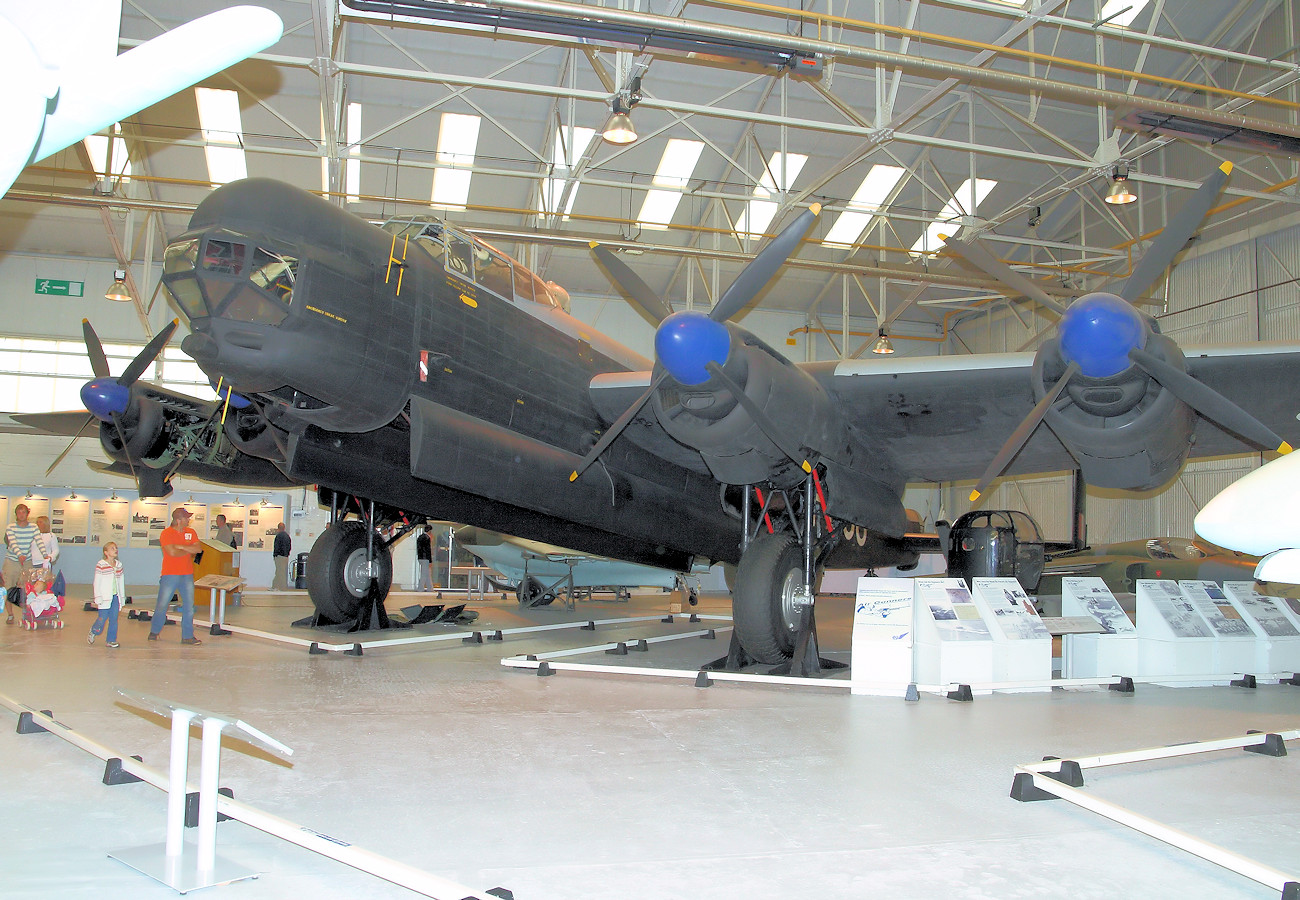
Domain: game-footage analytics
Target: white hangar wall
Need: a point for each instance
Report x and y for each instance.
(1240, 293)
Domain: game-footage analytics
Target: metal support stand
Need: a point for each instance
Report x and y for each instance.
(181, 867)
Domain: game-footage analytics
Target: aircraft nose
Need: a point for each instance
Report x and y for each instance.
(1256, 513)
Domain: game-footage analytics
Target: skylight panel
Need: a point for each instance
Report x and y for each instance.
(955, 208)
(570, 145)
(457, 143)
(1122, 11)
(352, 167)
(223, 134)
(868, 200)
(671, 178)
(760, 211)
(97, 147)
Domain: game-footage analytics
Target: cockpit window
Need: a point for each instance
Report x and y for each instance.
(275, 274)
(224, 257)
(178, 277)
(180, 256)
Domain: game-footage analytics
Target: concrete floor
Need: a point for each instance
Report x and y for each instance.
(592, 786)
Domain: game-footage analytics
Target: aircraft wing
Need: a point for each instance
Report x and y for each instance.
(944, 418)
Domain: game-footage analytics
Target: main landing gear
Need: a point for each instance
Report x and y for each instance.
(772, 603)
(350, 569)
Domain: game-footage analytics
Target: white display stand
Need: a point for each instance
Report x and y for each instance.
(1022, 646)
(1173, 639)
(1278, 645)
(1115, 652)
(883, 634)
(1234, 642)
(176, 864)
(953, 642)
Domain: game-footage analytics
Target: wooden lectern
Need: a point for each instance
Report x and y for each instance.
(218, 559)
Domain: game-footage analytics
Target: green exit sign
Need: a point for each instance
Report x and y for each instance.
(57, 287)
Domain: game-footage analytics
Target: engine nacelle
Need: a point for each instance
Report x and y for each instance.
(144, 427)
(1125, 431)
(708, 418)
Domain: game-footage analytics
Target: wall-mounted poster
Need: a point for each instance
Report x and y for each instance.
(148, 519)
(5, 518)
(109, 521)
(261, 525)
(70, 520)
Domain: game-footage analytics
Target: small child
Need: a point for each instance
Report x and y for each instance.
(109, 588)
(38, 598)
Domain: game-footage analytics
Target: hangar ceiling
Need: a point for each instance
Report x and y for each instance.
(1023, 99)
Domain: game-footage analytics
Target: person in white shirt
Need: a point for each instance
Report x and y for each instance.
(45, 549)
(109, 589)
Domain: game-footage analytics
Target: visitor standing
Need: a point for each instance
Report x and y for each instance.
(179, 545)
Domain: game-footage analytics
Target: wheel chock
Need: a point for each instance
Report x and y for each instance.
(26, 725)
(475, 638)
(702, 679)
(544, 669)
(962, 694)
(115, 774)
(355, 651)
(192, 807)
(619, 649)
(1024, 789)
(1246, 681)
(1273, 745)
(1123, 686)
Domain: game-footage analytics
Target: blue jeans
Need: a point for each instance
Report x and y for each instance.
(174, 584)
(109, 617)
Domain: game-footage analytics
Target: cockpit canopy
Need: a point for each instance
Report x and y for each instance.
(225, 274)
(475, 260)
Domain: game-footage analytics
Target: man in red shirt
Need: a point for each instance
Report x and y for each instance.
(179, 543)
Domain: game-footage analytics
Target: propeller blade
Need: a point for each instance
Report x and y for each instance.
(1022, 433)
(763, 266)
(147, 355)
(1172, 240)
(617, 428)
(766, 425)
(68, 449)
(95, 350)
(121, 436)
(975, 253)
(637, 290)
(1209, 402)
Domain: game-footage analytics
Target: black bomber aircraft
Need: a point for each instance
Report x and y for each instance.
(414, 371)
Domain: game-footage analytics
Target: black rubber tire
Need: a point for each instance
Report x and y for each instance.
(333, 580)
(761, 608)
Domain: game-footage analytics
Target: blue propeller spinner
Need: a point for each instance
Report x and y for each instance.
(1097, 333)
(687, 341)
(105, 397)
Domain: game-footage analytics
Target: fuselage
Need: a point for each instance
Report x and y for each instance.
(423, 369)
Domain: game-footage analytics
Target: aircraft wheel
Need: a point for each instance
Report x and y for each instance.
(336, 570)
(762, 604)
(531, 593)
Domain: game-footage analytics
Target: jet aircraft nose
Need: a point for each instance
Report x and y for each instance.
(1256, 513)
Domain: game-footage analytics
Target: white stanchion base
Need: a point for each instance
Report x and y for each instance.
(181, 874)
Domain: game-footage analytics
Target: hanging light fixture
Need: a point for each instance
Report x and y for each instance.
(1121, 191)
(619, 129)
(883, 346)
(118, 290)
